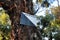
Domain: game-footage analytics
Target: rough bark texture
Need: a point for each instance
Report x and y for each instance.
(14, 9)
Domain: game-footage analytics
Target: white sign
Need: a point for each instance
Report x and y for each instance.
(32, 18)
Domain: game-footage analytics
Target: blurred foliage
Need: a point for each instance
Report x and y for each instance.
(51, 24)
(56, 12)
(57, 36)
(4, 18)
(5, 25)
(56, 22)
(44, 3)
(45, 21)
(40, 1)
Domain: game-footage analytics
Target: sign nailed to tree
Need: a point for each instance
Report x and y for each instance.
(33, 19)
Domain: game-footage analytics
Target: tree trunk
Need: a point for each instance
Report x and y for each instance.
(14, 9)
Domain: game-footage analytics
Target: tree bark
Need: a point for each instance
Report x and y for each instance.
(14, 9)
